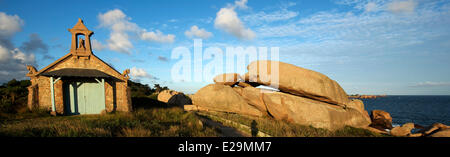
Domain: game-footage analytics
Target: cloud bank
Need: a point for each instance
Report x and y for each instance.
(13, 60)
(431, 84)
(139, 73)
(122, 29)
(401, 6)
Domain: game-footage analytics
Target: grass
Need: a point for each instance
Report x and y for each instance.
(277, 128)
(22, 114)
(150, 118)
(154, 122)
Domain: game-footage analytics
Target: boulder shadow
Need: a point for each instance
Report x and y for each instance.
(147, 103)
(179, 100)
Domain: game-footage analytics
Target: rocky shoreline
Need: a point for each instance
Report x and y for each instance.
(382, 121)
(305, 97)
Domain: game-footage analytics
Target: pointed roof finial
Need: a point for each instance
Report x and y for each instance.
(80, 25)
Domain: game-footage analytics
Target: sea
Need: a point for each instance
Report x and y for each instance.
(422, 110)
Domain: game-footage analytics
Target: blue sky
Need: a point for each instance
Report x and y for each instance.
(368, 47)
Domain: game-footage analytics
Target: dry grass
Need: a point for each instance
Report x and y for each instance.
(277, 128)
(155, 122)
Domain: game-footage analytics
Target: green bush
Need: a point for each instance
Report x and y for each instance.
(13, 95)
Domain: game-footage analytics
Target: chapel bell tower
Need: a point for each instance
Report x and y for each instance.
(81, 47)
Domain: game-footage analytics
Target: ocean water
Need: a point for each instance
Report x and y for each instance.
(422, 110)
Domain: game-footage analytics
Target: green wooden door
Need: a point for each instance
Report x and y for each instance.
(92, 98)
(84, 98)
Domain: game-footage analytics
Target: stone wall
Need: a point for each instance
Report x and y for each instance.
(110, 95)
(33, 96)
(117, 96)
(44, 92)
(91, 63)
(59, 99)
(123, 97)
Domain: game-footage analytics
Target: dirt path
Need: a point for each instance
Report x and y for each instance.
(224, 130)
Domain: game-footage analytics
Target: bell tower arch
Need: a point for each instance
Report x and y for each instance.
(81, 47)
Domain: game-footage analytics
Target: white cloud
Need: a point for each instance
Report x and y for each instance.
(431, 84)
(97, 45)
(157, 36)
(9, 24)
(4, 54)
(119, 41)
(242, 4)
(113, 17)
(371, 6)
(401, 6)
(12, 60)
(15, 57)
(13, 63)
(23, 57)
(119, 24)
(383, 28)
(139, 73)
(122, 28)
(393, 6)
(330, 37)
(227, 20)
(197, 32)
(263, 17)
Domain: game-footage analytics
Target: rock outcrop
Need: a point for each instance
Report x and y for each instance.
(165, 95)
(217, 97)
(403, 130)
(306, 97)
(307, 112)
(442, 133)
(359, 106)
(381, 120)
(297, 81)
(194, 108)
(174, 98)
(280, 106)
(227, 79)
(437, 130)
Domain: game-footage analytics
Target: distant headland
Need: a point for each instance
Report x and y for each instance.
(357, 96)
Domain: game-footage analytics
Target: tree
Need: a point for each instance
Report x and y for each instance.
(158, 88)
(13, 93)
(139, 90)
(15, 88)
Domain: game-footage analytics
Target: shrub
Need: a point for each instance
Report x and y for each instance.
(13, 95)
